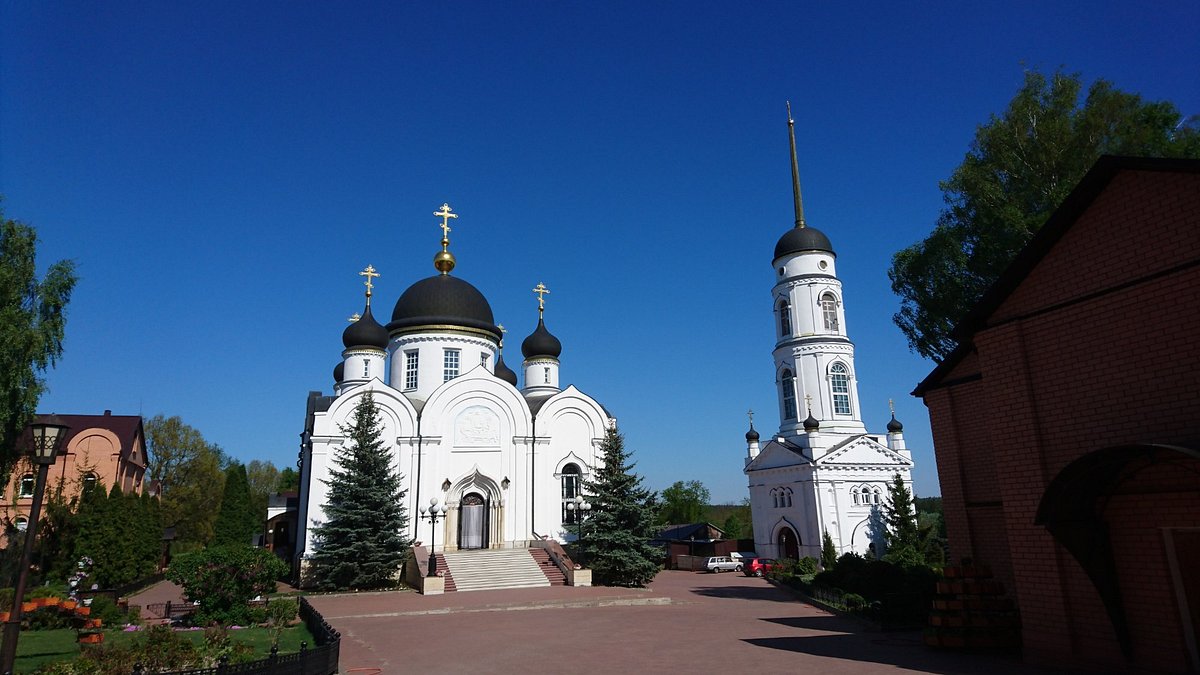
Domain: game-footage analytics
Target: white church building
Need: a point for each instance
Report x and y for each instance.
(822, 471)
(503, 458)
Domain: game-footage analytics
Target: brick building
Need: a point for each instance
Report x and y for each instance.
(1067, 424)
(104, 448)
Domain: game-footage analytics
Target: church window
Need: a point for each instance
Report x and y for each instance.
(547, 369)
(785, 497)
(483, 360)
(450, 365)
(26, 487)
(829, 312)
(875, 496)
(366, 368)
(839, 382)
(789, 395)
(570, 490)
(785, 318)
(410, 369)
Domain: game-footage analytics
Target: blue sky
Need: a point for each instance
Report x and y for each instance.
(221, 171)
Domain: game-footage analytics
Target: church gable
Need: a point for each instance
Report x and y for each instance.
(862, 450)
(775, 455)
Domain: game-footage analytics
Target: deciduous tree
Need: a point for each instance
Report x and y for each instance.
(616, 541)
(190, 472)
(1019, 168)
(361, 544)
(683, 503)
(32, 325)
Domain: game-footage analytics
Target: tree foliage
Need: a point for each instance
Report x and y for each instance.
(223, 579)
(119, 533)
(236, 522)
(829, 554)
(616, 541)
(362, 543)
(263, 479)
(902, 536)
(190, 472)
(32, 325)
(683, 503)
(1019, 168)
(289, 480)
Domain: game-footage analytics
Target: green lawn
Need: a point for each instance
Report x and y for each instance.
(39, 647)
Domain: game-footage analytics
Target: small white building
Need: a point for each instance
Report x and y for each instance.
(822, 471)
(504, 460)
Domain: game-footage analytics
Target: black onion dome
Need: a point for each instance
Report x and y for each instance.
(541, 343)
(504, 372)
(443, 300)
(811, 423)
(366, 332)
(894, 426)
(339, 372)
(800, 239)
(751, 436)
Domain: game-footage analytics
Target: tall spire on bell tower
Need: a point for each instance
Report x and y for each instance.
(799, 203)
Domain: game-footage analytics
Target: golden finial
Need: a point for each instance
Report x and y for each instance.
(892, 407)
(443, 261)
(503, 332)
(808, 402)
(369, 272)
(750, 414)
(797, 202)
(541, 291)
(354, 317)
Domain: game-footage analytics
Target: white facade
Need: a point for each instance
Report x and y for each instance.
(501, 460)
(822, 471)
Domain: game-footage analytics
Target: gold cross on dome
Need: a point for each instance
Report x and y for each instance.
(354, 317)
(542, 292)
(445, 215)
(750, 414)
(369, 272)
(892, 407)
(503, 332)
(808, 402)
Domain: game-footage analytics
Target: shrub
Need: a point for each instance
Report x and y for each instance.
(109, 613)
(224, 579)
(280, 613)
(854, 602)
(807, 565)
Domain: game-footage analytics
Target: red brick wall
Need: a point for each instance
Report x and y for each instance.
(1120, 368)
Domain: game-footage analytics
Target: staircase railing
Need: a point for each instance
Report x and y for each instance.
(560, 558)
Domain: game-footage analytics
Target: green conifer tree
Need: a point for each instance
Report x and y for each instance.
(362, 543)
(902, 536)
(236, 523)
(828, 552)
(616, 538)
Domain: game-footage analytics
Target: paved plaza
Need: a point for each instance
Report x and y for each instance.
(685, 622)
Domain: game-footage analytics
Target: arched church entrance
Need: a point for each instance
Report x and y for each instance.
(789, 543)
(472, 522)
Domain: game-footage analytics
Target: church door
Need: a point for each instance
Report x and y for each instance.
(472, 522)
(788, 544)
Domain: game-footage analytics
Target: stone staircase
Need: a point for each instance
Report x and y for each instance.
(553, 574)
(489, 569)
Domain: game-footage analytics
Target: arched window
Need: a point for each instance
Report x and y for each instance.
(854, 495)
(829, 312)
(785, 318)
(22, 523)
(789, 395)
(89, 479)
(866, 495)
(25, 489)
(839, 383)
(571, 484)
(875, 496)
(786, 497)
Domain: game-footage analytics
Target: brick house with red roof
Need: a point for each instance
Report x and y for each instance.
(104, 448)
(1067, 424)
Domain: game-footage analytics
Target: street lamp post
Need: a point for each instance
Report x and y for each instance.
(581, 509)
(432, 514)
(47, 438)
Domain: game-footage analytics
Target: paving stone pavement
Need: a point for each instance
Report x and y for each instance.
(685, 622)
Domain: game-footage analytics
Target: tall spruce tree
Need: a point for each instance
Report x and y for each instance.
(616, 538)
(829, 554)
(236, 522)
(902, 536)
(362, 543)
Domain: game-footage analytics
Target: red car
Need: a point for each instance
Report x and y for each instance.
(759, 566)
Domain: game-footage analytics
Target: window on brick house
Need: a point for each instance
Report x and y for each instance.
(22, 523)
(25, 489)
